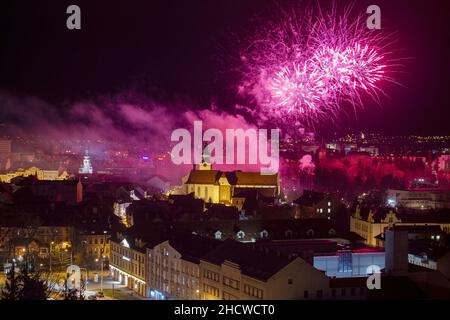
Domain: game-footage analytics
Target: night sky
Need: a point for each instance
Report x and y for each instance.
(173, 50)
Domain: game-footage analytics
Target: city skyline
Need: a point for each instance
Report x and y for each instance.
(246, 150)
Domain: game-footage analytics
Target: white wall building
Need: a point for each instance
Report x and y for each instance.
(350, 264)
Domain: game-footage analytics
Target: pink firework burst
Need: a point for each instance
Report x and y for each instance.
(297, 88)
(305, 65)
(365, 66)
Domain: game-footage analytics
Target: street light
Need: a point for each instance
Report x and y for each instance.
(50, 256)
(101, 270)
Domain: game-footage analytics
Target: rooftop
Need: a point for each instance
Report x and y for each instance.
(252, 262)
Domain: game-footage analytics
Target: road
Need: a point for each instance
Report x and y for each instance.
(113, 290)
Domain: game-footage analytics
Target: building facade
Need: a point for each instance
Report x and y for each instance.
(40, 174)
(214, 186)
(420, 198)
(376, 222)
(233, 272)
(96, 245)
(170, 275)
(128, 264)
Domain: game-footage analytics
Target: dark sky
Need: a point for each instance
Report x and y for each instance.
(171, 50)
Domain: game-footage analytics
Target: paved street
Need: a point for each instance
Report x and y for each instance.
(113, 290)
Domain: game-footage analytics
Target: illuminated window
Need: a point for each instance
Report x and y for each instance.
(345, 261)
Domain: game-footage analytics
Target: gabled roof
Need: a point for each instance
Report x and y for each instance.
(351, 282)
(203, 177)
(420, 229)
(252, 262)
(432, 217)
(233, 178)
(19, 242)
(251, 178)
(310, 198)
(193, 247)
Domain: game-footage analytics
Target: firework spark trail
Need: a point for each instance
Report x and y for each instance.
(304, 66)
(297, 87)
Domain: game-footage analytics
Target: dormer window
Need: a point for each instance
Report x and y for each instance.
(288, 233)
(310, 233)
(264, 234)
(125, 243)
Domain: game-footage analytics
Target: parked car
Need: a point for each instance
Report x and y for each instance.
(92, 297)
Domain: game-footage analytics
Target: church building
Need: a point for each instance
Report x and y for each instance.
(215, 186)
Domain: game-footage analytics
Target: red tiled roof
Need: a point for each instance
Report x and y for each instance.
(233, 177)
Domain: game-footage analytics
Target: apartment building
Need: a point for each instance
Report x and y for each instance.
(94, 243)
(128, 263)
(234, 271)
(174, 267)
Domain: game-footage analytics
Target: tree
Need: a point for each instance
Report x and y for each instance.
(32, 286)
(11, 290)
(25, 286)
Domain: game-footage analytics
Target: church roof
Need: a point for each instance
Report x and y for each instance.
(233, 177)
(251, 178)
(204, 177)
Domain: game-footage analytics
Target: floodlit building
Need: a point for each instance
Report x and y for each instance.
(86, 167)
(370, 224)
(128, 263)
(214, 186)
(40, 174)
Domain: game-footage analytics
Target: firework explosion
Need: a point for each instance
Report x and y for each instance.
(305, 65)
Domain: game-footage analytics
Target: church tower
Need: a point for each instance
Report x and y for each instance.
(206, 160)
(86, 166)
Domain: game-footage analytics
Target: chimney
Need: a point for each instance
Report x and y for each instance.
(396, 252)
